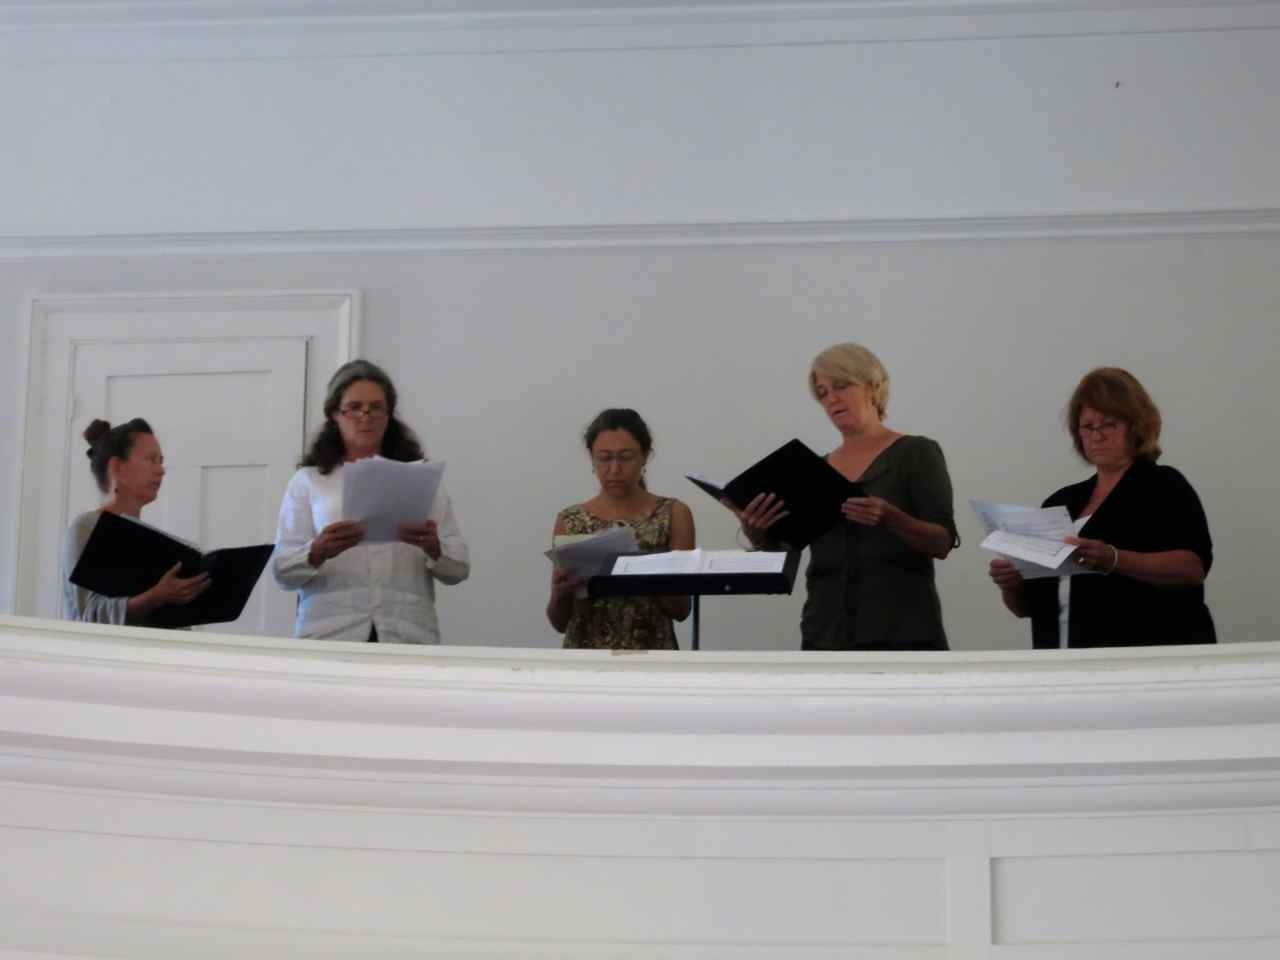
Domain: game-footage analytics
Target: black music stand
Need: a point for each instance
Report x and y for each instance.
(693, 585)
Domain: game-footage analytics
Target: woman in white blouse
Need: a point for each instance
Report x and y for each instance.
(351, 590)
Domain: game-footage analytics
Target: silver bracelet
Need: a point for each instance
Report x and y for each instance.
(1115, 561)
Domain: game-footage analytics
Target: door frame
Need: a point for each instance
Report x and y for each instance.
(332, 340)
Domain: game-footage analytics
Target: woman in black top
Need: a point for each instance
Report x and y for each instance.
(1144, 534)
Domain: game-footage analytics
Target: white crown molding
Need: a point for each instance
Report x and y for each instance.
(290, 29)
(46, 13)
(1039, 226)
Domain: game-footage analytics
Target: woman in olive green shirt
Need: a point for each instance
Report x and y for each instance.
(870, 578)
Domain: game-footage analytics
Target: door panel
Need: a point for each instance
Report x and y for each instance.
(217, 374)
(229, 418)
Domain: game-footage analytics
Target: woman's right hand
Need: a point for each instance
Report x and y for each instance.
(174, 589)
(764, 510)
(1005, 575)
(564, 587)
(564, 584)
(337, 537)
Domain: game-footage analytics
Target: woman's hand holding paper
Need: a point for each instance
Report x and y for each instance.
(337, 537)
(425, 536)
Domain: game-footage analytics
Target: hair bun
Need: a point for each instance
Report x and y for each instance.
(95, 432)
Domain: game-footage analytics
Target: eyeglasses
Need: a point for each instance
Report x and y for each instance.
(605, 457)
(1102, 429)
(355, 411)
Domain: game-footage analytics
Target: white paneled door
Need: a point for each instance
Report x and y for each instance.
(230, 383)
(228, 415)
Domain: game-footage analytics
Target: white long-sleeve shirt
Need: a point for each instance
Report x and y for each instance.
(388, 585)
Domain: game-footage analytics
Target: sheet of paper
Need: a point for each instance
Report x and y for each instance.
(1035, 550)
(1050, 523)
(1032, 537)
(382, 494)
(702, 561)
(743, 561)
(585, 553)
(674, 561)
(1033, 571)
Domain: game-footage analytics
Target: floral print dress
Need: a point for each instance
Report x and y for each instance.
(621, 623)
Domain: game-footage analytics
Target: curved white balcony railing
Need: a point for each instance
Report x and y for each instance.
(204, 795)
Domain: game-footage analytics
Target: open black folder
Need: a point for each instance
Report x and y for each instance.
(812, 489)
(124, 557)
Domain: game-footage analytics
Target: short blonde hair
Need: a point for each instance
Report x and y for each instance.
(856, 364)
(1114, 392)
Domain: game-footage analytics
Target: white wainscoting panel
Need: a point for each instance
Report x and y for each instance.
(207, 796)
(1195, 895)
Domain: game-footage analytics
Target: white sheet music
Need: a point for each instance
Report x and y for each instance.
(583, 554)
(1031, 537)
(744, 561)
(382, 494)
(673, 561)
(1034, 550)
(702, 561)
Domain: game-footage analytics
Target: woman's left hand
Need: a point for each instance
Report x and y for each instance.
(425, 535)
(1094, 554)
(868, 511)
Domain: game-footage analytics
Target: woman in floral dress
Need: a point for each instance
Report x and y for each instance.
(620, 445)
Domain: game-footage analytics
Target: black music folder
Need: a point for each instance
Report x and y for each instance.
(812, 489)
(124, 557)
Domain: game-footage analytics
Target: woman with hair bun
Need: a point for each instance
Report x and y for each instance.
(352, 590)
(619, 445)
(128, 466)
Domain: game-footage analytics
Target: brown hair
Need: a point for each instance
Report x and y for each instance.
(106, 441)
(327, 449)
(1117, 393)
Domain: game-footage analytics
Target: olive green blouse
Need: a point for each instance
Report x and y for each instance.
(867, 590)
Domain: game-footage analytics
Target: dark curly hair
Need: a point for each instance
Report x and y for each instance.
(106, 441)
(327, 449)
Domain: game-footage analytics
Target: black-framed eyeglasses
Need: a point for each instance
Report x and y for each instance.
(605, 457)
(1102, 429)
(357, 411)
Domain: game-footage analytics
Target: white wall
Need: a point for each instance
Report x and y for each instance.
(700, 125)
(503, 357)
(1131, 224)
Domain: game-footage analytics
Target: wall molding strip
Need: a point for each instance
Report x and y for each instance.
(1137, 224)
(294, 29)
